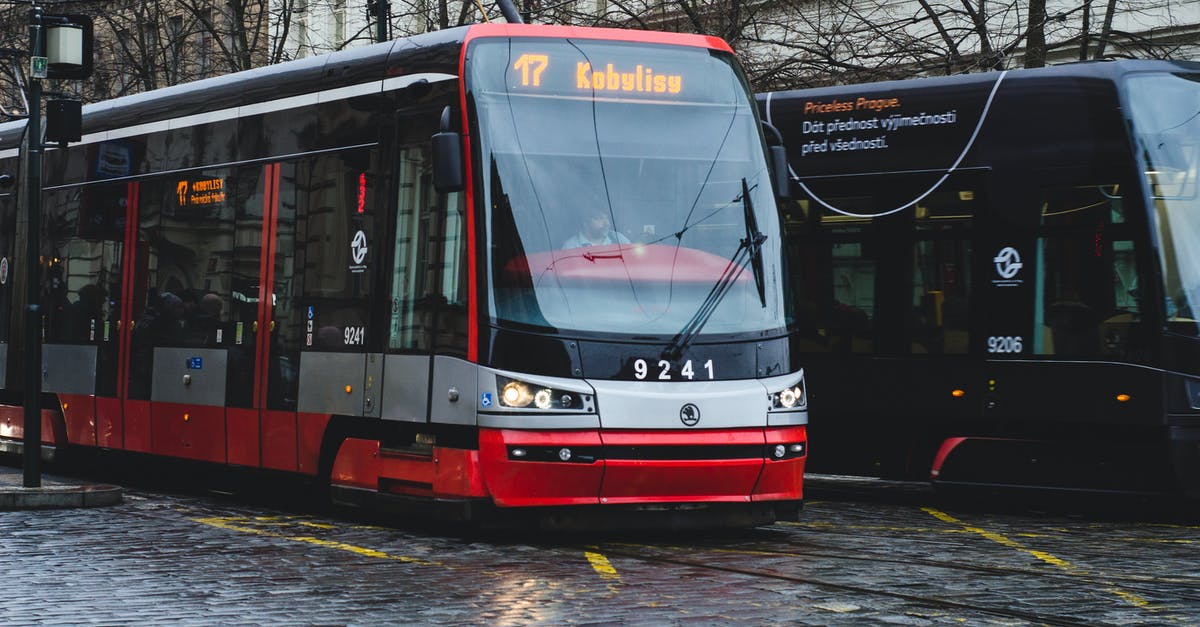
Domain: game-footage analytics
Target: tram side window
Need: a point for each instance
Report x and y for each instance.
(84, 229)
(453, 322)
(938, 321)
(852, 317)
(340, 248)
(413, 280)
(289, 332)
(941, 282)
(1088, 276)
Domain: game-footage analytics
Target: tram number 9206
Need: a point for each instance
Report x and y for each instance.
(1004, 344)
(643, 369)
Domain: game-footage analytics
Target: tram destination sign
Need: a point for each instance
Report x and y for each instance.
(534, 71)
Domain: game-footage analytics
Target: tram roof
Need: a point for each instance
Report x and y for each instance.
(425, 52)
(1105, 70)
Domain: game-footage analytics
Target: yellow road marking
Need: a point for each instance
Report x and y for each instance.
(231, 525)
(1128, 597)
(1023, 534)
(601, 564)
(598, 561)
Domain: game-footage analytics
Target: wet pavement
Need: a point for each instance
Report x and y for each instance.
(161, 557)
(52, 492)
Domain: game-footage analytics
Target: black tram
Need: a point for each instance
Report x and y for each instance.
(495, 267)
(994, 275)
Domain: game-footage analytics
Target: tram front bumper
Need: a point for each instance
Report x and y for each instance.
(557, 468)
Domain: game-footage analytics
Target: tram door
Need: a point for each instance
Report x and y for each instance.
(428, 315)
(82, 249)
(284, 325)
(194, 312)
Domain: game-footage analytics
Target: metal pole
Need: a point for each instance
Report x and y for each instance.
(33, 268)
(382, 23)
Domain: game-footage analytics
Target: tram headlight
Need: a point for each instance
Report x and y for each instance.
(519, 394)
(515, 394)
(790, 397)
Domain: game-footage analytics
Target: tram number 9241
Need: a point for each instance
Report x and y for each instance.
(1004, 344)
(642, 369)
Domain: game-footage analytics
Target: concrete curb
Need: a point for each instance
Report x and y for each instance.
(59, 497)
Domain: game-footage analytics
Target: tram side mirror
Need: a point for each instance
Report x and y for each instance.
(777, 152)
(447, 157)
(779, 172)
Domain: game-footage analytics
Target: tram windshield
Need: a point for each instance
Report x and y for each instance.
(1166, 121)
(619, 182)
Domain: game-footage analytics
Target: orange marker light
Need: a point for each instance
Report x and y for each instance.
(958, 393)
(1123, 398)
(349, 389)
(187, 417)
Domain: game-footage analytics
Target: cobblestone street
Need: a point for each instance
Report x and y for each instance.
(170, 558)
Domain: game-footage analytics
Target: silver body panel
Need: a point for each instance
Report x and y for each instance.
(406, 388)
(543, 421)
(179, 378)
(461, 376)
(373, 386)
(654, 405)
(69, 368)
(324, 378)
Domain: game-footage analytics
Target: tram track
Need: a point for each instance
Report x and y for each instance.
(1132, 583)
(1076, 553)
(921, 600)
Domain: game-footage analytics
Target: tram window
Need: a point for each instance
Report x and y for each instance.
(852, 316)
(413, 312)
(285, 312)
(941, 285)
(192, 260)
(453, 322)
(1088, 304)
(339, 218)
(83, 255)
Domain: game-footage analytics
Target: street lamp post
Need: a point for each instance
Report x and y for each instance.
(32, 448)
(60, 46)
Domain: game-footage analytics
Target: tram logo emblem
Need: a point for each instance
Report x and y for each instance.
(358, 252)
(359, 247)
(1008, 264)
(689, 415)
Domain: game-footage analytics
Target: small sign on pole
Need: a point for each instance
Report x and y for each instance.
(39, 67)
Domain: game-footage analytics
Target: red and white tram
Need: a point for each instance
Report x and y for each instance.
(495, 267)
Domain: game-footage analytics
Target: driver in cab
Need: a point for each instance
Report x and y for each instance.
(596, 230)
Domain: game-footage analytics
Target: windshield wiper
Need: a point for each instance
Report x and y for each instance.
(749, 249)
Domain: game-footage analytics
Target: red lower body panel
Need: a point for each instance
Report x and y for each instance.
(110, 423)
(241, 436)
(79, 416)
(736, 469)
(310, 432)
(12, 425)
(782, 480)
(191, 432)
(517, 483)
(279, 440)
(138, 436)
(444, 473)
